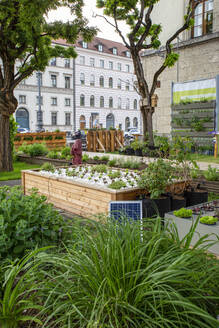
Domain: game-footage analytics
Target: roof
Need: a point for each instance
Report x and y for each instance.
(108, 45)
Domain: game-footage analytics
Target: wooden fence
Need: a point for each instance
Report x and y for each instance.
(104, 140)
(51, 139)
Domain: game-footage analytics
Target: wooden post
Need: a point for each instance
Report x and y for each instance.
(94, 141)
(112, 141)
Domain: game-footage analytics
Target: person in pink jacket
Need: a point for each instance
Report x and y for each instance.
(76, 149)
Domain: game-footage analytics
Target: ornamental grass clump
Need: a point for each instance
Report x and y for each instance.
(120, 275)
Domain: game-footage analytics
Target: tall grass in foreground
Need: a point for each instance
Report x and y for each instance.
(118, 277)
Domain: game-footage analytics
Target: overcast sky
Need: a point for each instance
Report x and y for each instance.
(106, 31)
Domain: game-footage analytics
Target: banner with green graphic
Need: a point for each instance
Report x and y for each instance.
(202, 90)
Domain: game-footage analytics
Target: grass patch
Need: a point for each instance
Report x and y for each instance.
(16, 173)
(205, 158)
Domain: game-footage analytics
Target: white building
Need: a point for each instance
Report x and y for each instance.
(103, 88)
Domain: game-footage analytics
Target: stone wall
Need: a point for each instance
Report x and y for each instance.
(199, 59)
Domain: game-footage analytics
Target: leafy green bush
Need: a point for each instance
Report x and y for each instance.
(183, 213)
(117, 277)
(85, 158)
(26, 222)
(156, 177)
(111, 162)
(211, 174)
(104, 158)
(208, 219)
(13, 131)
(53, 154)
(36, 149)
(96, 158)
(117, 185)
(48, 167)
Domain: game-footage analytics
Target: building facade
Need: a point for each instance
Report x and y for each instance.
(94, 90)
(198, 49)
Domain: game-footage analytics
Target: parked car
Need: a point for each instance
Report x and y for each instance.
(23, 130)
(131, 132)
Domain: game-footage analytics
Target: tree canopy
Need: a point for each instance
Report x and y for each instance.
(144, 35)
(26, 46)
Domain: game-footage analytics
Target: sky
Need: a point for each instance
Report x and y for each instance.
(106, 31)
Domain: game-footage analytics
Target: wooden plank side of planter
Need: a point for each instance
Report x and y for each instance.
(211, 186)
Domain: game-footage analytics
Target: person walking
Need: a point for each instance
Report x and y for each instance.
(76, 150)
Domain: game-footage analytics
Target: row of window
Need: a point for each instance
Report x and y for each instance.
(103, 65)
(102, 82)
(92, 63)
(100, 48)
(110, 102)
(54, 101)
(54, 118)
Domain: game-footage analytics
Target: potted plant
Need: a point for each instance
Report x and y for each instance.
(183, 213)
(154, 180)
(208, 220)
(137, 146)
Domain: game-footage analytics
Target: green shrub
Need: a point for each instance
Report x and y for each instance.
(96, 158)
(23, 148)
(26, 222)
(211, 174)
(53, 154)
(13, 131)
(85, 158)
(104, 158)
(117, 185)
(117, 277)
(111, 162)
(48, 167)
(37, 149)
(195, 173)
(183, 213)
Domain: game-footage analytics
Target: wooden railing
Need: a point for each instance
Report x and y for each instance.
(51, 139)
(104, 140)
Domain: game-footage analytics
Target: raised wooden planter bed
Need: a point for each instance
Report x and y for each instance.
(75, 197)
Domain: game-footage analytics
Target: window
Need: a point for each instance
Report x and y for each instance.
(127, 103)
(92, 62)
(101, 63)
(135, 105)
(92, 101)
(203, 17)
(101, 101)
(84, 44)
(67, 102)
(110, 82)
(82, 60)
(82, 100)
(115, 51)
(22, 99)
(54, 81)
(110, 102)
(37, 100)
(101, 81)
(67, 82)
(119, 66)
(110, 65)
(127, 85)
(135, 122)
(92, 80)
(54, 101)
(100, 47)
(54, 118)
(119, 103)
(67, 118)
(127, 68)
(82, 78)
(119, 84)
(127, 123)
(53, 62)
(67, 62)
(39, 76)
(127, 53)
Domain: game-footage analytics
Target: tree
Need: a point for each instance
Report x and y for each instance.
(143, 35)
(25, 41)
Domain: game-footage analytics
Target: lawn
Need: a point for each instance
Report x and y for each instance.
(205, 158)
(16, 173)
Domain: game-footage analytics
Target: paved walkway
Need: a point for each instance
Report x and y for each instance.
(10, 183)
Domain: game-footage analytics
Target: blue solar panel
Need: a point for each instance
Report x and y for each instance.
(131, 210)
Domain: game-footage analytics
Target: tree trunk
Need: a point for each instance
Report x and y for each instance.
(144, 123)
(5, 146)
(150, 126)
(8, 105)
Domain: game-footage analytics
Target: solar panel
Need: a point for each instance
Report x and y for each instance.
(131, 210)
